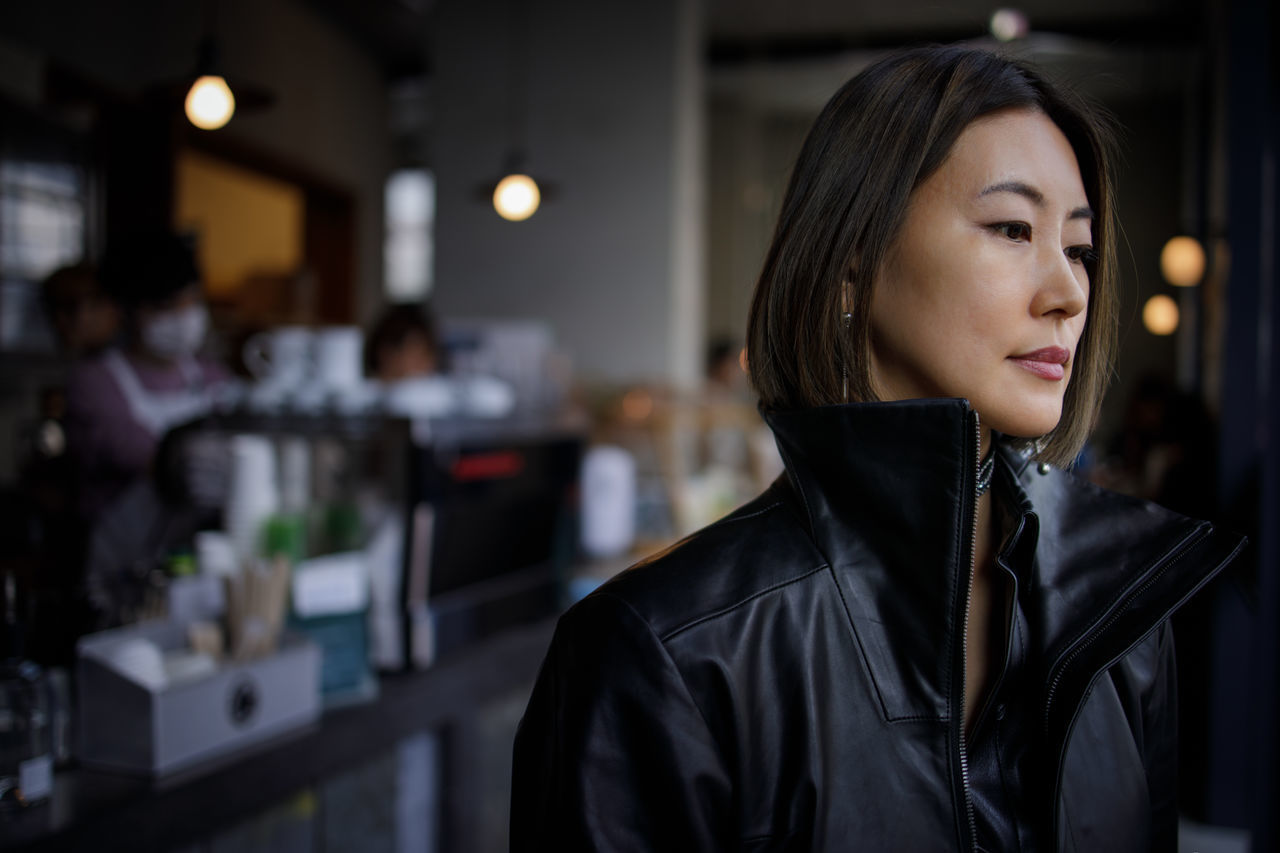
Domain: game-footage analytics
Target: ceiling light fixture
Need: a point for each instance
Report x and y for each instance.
(210, 104)
(1182, 261)
(518, 194)
(208, 97)
(1160, 315)
(516, 197)
(1009, 24)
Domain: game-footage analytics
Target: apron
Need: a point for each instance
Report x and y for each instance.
(159, 411)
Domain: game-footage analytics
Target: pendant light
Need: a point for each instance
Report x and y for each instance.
(210, 103)
(208, 97)
(518, 194)
(1182, 261)
(1160, 315)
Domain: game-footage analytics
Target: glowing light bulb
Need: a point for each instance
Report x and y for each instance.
(210, 103)
(516, 197)
(1160, 315)
(637, 404)
(1182, 261)
(1009, 24)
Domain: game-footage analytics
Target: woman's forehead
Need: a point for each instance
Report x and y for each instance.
(1019, 153)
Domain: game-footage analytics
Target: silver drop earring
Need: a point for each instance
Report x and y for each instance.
(1037, 445)
(847, 318)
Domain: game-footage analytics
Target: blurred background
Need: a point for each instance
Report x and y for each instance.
(470, 401)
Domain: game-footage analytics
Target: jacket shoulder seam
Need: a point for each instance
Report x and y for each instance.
(622, 602)
(862, 652)
(680, 629)
(730, 519)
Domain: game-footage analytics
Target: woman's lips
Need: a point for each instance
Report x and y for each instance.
(1047, 363)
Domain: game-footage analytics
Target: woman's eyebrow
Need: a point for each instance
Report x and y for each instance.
(1034, 195)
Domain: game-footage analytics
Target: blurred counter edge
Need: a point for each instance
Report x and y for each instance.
(92, 810)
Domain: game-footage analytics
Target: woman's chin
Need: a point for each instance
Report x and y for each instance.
(1023, 424)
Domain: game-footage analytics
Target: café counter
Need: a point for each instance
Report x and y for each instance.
(426, 766)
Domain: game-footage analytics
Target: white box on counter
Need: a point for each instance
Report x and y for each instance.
(132, 718)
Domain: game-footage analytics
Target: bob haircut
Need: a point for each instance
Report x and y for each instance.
(879, 138)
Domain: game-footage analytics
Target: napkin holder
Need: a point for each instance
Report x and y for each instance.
(130, 726)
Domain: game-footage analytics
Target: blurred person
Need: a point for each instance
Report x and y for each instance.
(1165, 450)
(47, 528)
(724, 374)
(84, 319)
(145, 481)
(403, 344)
(123, 402)
(924, 636)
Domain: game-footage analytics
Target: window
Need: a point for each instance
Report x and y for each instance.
(409, 248)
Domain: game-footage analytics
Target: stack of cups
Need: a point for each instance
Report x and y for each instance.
(608, 501)
(253, 495)
(295, 475)
(338, 352)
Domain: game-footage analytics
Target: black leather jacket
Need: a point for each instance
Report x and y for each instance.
(791, 678)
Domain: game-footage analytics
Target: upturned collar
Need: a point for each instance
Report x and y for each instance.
(887, 489)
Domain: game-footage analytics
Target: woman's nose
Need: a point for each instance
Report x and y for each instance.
(1064, 288)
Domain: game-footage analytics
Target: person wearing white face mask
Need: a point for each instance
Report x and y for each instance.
(122, 403)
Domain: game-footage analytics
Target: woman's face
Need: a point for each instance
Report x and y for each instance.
(983, 293)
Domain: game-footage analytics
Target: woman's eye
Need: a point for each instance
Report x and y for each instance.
(1017, 231)
(1081, 254)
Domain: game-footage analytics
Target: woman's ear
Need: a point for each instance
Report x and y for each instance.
(846, 298)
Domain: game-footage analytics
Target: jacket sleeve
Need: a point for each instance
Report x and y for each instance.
(612, 752)
(1160, 743)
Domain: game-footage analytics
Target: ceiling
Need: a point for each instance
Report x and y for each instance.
(787, 58)
(396, 32)
(791, 57)
(836, 24)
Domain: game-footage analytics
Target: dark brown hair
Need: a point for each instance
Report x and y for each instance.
(148, 268)
(396, 325)
(879, 138)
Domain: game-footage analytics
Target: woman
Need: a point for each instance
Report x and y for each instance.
(122, 403)
(84, 320)
(923, 636)
(402, 344)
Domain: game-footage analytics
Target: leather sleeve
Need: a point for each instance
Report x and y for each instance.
(612, 752)
(1160, 743)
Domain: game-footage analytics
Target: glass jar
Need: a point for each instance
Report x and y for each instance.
(26, 754)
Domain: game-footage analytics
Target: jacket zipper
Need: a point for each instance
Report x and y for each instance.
(1173, 557)
(964, 635)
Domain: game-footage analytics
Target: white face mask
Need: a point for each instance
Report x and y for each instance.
(174, 334)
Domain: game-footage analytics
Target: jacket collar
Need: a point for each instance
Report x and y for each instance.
(897, 474)
(887, 489)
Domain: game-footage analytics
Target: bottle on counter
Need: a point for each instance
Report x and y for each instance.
(26, 753)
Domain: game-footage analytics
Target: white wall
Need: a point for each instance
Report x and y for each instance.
(330, 115)
(613, 262)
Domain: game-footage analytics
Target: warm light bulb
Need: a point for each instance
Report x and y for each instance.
(210, 103)
(1160, 315)
(637, 404)
(516, 197)
(1182, 261)
(1009, 24)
